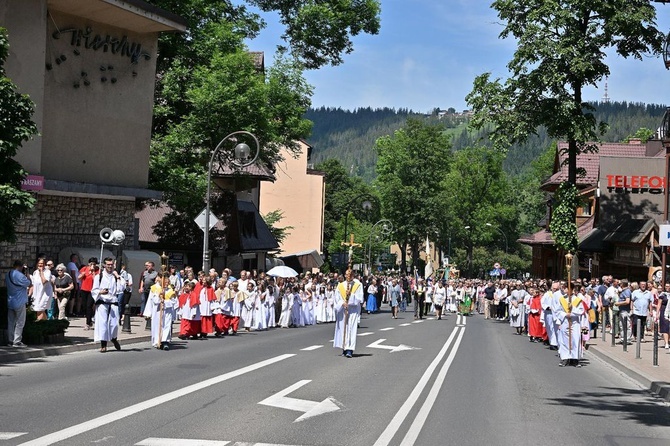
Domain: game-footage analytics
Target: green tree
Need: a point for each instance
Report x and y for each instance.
(410, 168)
(210, 85)
(643, 134)
(344, 194)
(561, 49)
(279, 233)
(475, 194)
(16, 127)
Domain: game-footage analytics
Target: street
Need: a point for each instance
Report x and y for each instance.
(463, 380)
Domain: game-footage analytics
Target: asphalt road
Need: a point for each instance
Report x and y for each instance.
(460, 381)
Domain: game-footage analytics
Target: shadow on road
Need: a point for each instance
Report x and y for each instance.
(609, 402)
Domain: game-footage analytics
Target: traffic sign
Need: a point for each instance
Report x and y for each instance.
(664, 235)
(200, 220)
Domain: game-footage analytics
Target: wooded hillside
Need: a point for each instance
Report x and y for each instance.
(349, 136)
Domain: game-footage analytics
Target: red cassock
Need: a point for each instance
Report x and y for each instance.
(207, 322)
(535, 327)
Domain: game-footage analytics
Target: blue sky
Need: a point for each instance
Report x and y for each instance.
(428, 53)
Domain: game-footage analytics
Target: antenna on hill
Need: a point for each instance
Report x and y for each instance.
(606, 97)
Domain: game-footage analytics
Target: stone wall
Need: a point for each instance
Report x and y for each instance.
(61, 221)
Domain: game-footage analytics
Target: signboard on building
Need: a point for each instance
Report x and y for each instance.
(32, 183)
(630, 187)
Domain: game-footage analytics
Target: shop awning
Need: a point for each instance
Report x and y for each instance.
(307, 259)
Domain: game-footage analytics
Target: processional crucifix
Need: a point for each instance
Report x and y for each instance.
(351, 246)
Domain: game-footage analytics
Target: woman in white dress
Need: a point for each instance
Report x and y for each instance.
(286, 308)
(248, 306)
(269, 303)
(330, 301)
(296, 309)
(260, 310)
(42, 289)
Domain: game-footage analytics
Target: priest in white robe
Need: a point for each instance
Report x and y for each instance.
(567, 314)
(347, 306)
(106, 287)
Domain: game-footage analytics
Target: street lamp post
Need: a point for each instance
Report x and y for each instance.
(386, 229)
(503, 234)
(242, 158)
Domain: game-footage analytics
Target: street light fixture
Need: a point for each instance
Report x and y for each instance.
(385, 230)
(241, 159)
(499, 230)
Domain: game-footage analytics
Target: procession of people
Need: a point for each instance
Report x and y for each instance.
(559, 315)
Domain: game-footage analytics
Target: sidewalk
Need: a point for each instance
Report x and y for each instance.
(656, 379)
(76, 339)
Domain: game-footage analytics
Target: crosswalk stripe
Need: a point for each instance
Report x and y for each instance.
(10, 435)
(311, 347)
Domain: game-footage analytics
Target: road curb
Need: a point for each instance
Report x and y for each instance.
(660, 388)
(10, 355)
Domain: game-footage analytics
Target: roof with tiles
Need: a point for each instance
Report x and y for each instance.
(543, 237)
(590, 162)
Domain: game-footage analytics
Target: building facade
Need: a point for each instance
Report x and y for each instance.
(299, 192)
(622, 195)
(90, 69)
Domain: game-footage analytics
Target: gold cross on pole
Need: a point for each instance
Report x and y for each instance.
(351, 246)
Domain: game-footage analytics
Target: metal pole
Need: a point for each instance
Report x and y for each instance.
(248, 162)
(613, 324)
(638, 338)
(604, 326)
(624, 339)
(205, 244)
(655, 356)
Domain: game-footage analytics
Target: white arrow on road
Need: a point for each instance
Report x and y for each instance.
(393, 348)
(310, 408)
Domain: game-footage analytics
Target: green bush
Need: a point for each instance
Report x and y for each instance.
(37, 332)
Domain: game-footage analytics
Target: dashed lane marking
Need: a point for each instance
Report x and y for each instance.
(10, 435)
(311, 347)
(386, 329)
(366, 333)
(405, 325)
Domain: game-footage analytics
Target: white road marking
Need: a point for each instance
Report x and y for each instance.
(153, 441)
(311, 347)
(393, 348)
(310, 408)
(136, 408)
(405, 325)
(386, 329)
(10, 435)
(418, 322)
(366, 334)
(430, 318)
(392, 428)
(420, 420)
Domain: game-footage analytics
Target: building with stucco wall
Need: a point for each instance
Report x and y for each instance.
(90, 69)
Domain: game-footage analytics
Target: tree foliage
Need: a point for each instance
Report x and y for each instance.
(561, 49)
(209, 84)
(410, 168)
(16, 127)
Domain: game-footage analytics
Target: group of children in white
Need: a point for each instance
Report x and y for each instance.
(203, 309)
